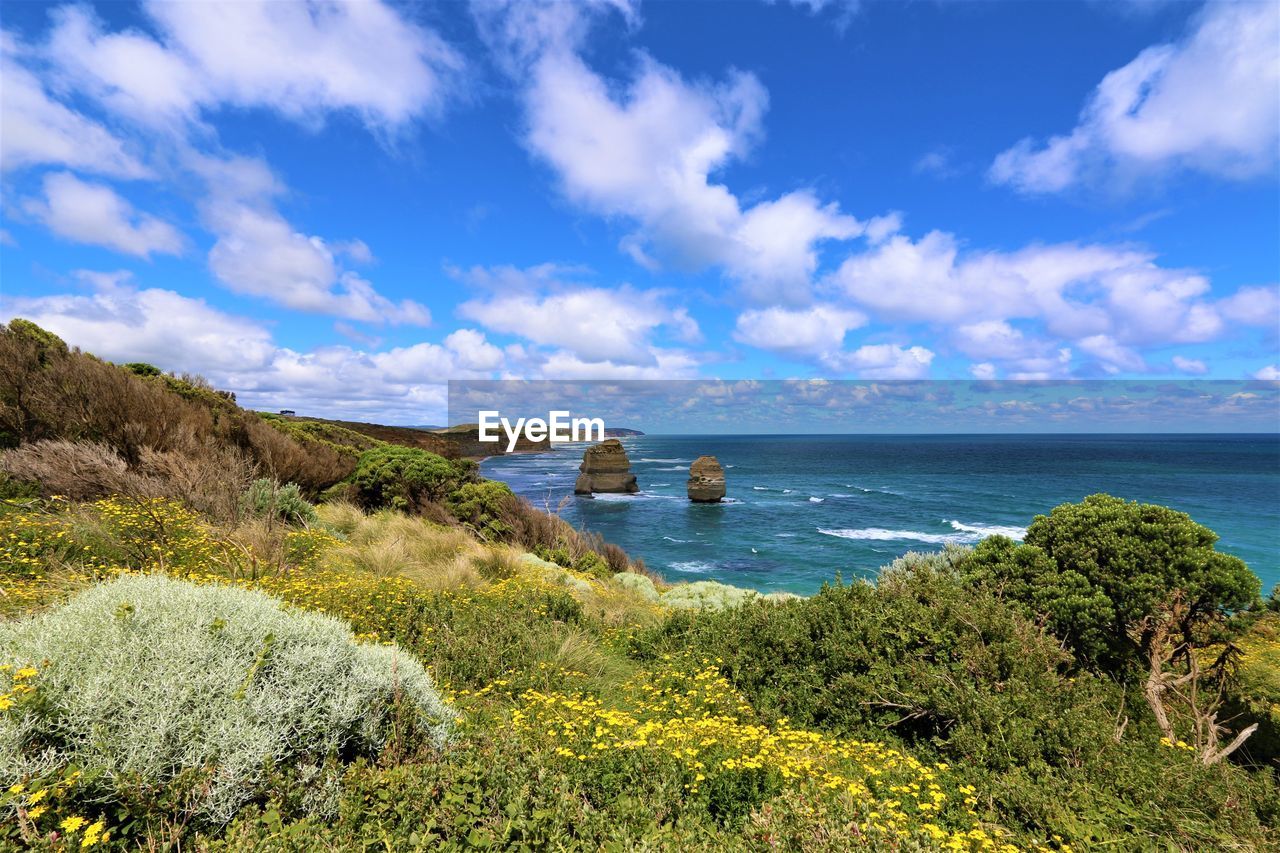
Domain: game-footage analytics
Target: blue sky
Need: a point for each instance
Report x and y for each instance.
(337, 207)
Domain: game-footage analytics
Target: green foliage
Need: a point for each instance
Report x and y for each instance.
(1254, 692)
(591, 563)
(144, 678)
(17, 490)
(338, 438)
(482, 507)
(265, 498)
(957, 673)
(46, 344)
(141, 368)
(405, 478)
(559, 554)
(918, 654)
(1097, 569)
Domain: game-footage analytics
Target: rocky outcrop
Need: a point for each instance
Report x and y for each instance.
(605, 468)
(706, 480)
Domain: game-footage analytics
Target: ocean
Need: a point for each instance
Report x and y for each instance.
(802, 509)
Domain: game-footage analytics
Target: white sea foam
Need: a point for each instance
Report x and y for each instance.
(636, 496)
(814, 500)
(881, 491)
(693, 567)
(760, 488)
(670, 539)
(668, 461)
(673, 468)
(989, 529)
(879, 534)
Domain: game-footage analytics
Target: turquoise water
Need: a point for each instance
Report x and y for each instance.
(801, 509)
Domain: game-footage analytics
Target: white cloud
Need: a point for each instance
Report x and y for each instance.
(983, 370)
(811, 331)
(95, 213)
(1113, 356)
(40, 131)
(1253, 306)
(121, 323)
(594, 324)
(648, 152)
(258, 252)
(992, 339)
(1075, 291)
(301, 60)
(883, 361)
(1270, 372)
(1208, 103)
(1192, 366)
(667, 364)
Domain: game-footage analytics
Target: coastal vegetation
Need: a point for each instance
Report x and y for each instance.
(225, 632)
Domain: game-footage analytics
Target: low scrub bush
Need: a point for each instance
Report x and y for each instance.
(148, 681)
(480, 507)
(265, 498)
(405, 478)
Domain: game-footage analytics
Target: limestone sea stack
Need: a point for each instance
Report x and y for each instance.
(605, 468)
(706, 480)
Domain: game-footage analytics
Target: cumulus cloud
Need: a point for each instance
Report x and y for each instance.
(883, 361)
(1270, 372)
(648, 152)
(592, 324)
(810, 331)
(1208, 103)
(1074, 290)
(299, 60)
(120, 322)
(40, 131)
(94, 213)
(259, 253)
(667, 364)
(1113, 356)
(1253, 306)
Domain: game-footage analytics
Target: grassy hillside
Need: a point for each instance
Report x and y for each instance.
(225, 632)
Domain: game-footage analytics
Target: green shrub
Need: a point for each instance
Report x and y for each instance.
(405, 477)
(141, 368)
(918, 654)
(591, 563)
(480, 506)
(1099, 568)
(265, 498)
(145, 680)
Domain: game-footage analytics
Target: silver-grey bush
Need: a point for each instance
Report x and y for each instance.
(150, 676)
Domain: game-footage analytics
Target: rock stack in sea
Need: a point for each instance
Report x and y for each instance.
(706, 480)
(605, 468)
